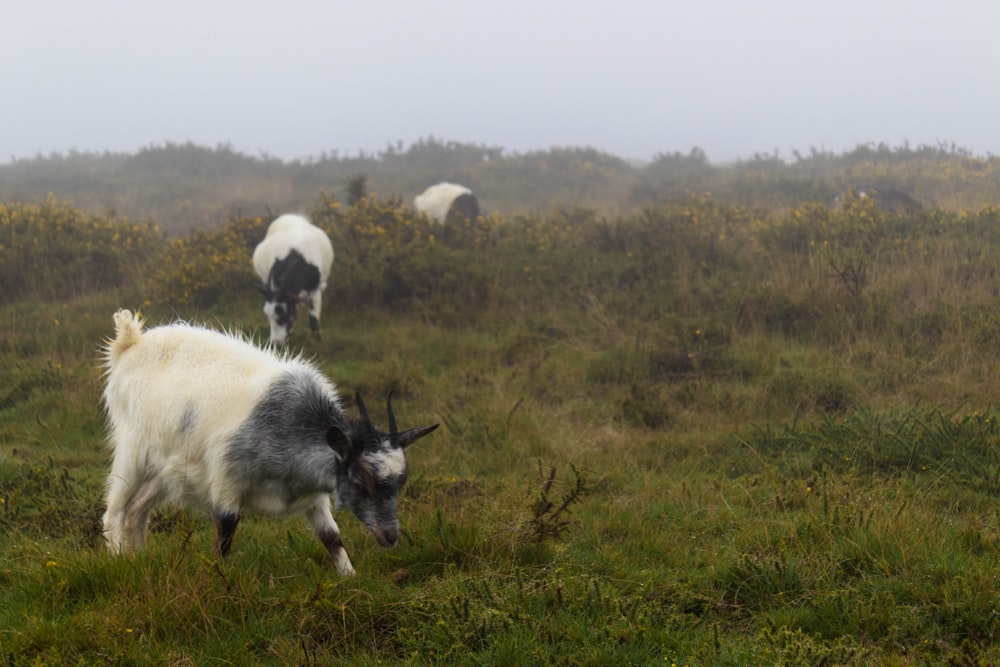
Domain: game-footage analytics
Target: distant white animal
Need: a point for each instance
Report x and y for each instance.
(204, 418)
(887, 198)
(447, 199)
(293, 262)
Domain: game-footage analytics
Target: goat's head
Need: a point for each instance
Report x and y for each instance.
(373, 470)
(281, 309)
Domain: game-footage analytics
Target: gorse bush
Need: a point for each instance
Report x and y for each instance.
(389, 256)
(204, 266)
(811, 273)
(53, 251)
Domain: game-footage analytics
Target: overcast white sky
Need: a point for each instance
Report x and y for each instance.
(635, 78)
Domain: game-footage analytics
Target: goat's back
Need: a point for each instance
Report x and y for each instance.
(293, 232)
(436, 200)
(180, 386)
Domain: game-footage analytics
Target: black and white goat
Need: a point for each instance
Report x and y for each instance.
(204, 418)
(293, 261)
(446, 200)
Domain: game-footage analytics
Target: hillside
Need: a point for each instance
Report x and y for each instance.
(183, 186)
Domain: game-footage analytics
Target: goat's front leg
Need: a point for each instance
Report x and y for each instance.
(325, 529)
(225, 527)
(315, 307)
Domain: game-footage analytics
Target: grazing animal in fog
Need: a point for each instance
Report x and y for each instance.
(204, 418)
(445, 200)
(886, 198)
(293, 262)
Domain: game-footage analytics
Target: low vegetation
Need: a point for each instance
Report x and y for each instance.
(695, 433)
(184, 187)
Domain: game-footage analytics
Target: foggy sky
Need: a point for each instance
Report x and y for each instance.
(634, 78)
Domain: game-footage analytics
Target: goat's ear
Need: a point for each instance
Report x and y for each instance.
(339, 443)
(408, 437)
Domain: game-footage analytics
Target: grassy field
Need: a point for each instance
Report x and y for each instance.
(696, 435)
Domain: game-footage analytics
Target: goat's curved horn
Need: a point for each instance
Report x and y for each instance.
(361, 407)
(392, 417)
(408, 437)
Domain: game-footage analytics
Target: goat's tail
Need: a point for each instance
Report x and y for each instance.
(128, 331)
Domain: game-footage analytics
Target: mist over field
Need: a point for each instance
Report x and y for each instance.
(632, 78)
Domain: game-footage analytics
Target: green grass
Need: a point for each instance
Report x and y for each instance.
(750, 465)
(870, 537)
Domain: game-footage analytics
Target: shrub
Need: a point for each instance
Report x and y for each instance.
(52, 251)
(202, 267)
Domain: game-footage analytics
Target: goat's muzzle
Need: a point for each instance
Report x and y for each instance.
(386, 537)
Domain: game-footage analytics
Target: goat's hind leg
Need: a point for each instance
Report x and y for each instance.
(137, 512)
(127, 491)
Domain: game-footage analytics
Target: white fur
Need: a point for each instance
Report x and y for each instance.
(437, 199)
(387, 463)
(294, 232)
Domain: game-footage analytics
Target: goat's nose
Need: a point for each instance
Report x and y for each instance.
(390, 536)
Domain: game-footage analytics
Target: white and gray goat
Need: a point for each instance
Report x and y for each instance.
(205, 418)
(446, 200)
(293, 263)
